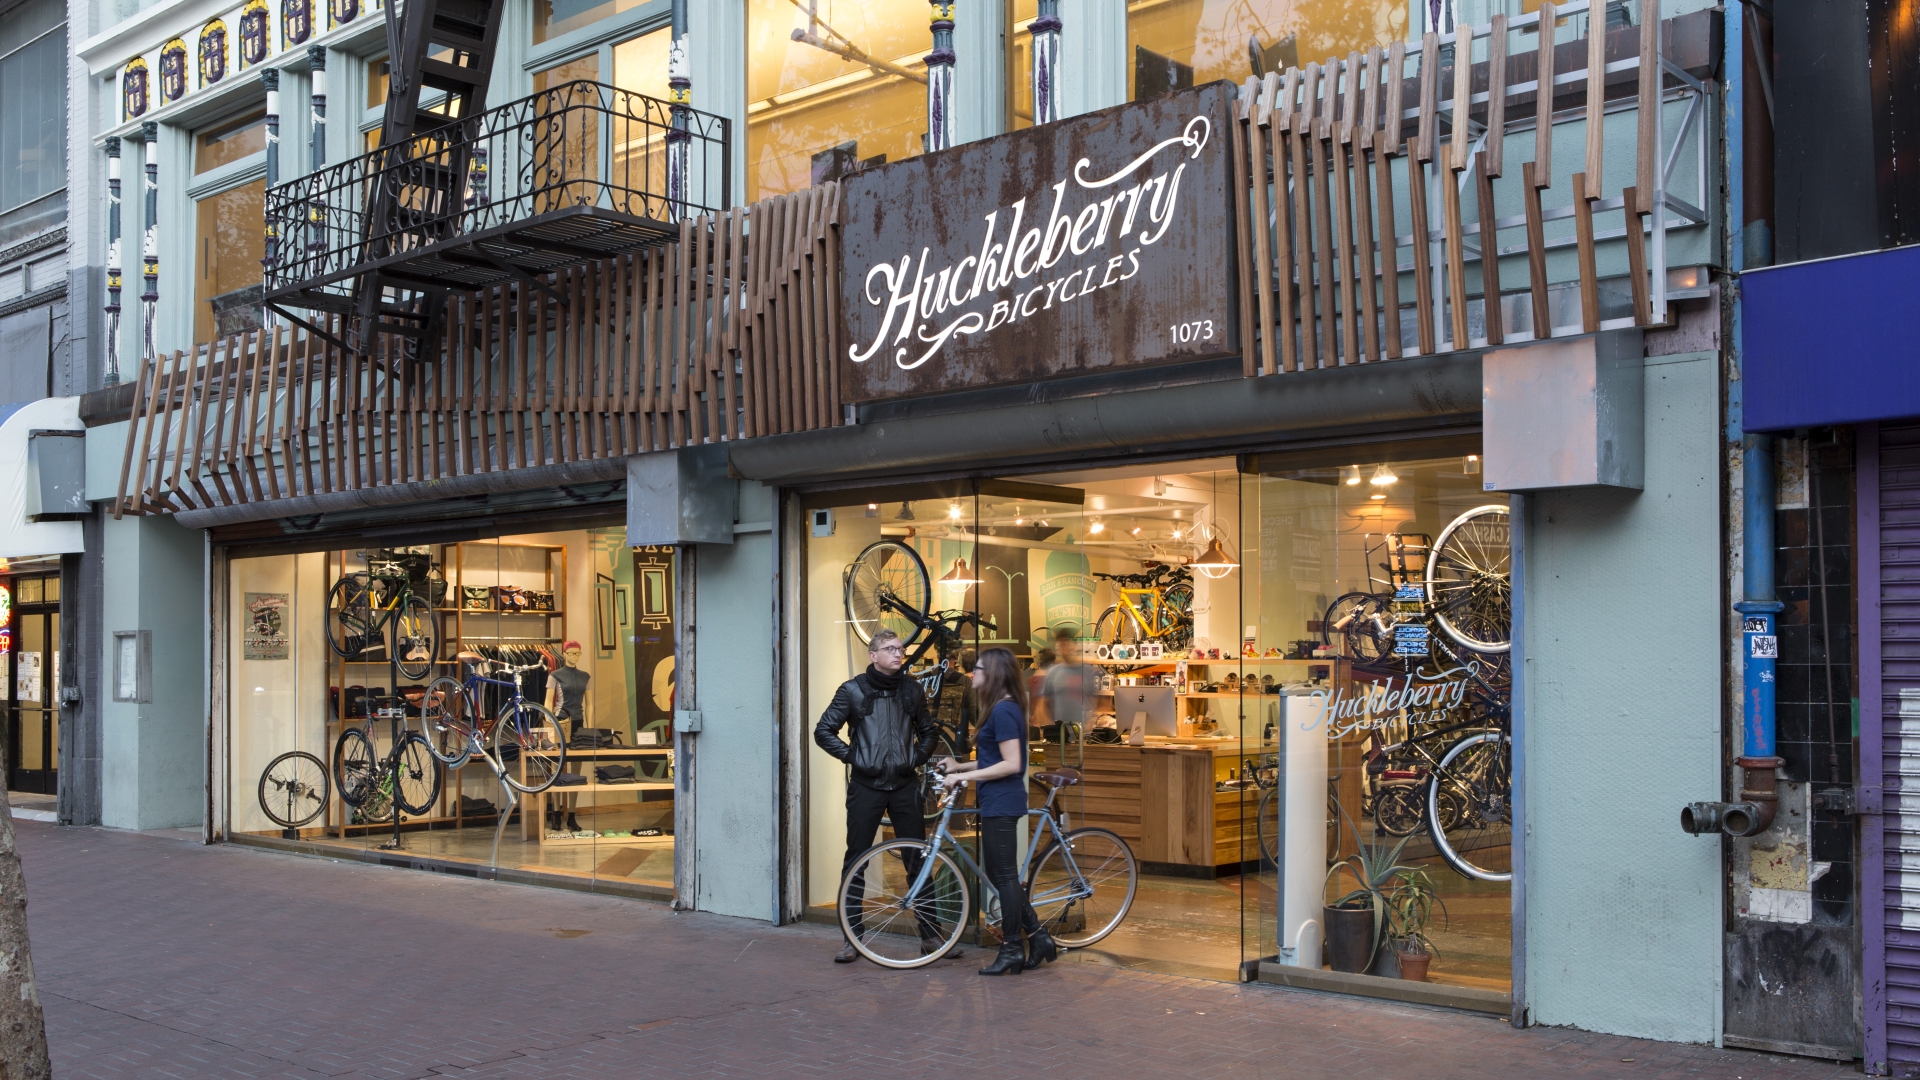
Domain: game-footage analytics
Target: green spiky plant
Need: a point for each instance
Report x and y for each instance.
(1402, 898)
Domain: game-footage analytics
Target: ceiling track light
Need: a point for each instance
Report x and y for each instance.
(906, 512)
(1382, 476)
(1350, 475)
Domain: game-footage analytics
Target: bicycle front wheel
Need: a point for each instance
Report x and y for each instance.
(1267, 827)
(892, 917)
(415, 639)
(1079, 909)
(884, 578)
(416, 775)
(1398, 809)
(355, 771)
(1469, 581)
(293, 789)
(529, 746)
(1470, 809)
(350, 618)
(448, 720)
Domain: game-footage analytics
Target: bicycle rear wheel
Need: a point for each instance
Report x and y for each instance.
(885, 575)
(350, 618)
(448, 720)
(1079, 916)
(1468, 580)
(1267, 827)
(415, 638)
(293, 789)
(1350, 629)
(416, 775)
(355, 771)
(1469, 807)
(891, 922)
(529, 746)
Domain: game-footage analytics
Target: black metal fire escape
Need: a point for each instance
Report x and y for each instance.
(424, 161)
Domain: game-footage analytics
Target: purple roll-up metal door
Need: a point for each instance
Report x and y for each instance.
(1889, 558)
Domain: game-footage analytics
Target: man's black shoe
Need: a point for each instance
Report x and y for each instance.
(847, 954)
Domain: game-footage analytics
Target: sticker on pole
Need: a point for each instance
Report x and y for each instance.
(1765, 647)
(1755, 624)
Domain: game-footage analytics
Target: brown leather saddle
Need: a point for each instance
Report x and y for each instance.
(1057, 778)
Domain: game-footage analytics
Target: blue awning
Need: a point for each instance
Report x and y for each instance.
(1831, 342)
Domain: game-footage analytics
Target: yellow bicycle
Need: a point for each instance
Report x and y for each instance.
(1156, 606)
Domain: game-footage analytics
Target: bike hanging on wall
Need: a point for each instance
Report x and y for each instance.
(364, 603)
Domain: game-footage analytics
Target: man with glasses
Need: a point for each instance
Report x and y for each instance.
(892, 737)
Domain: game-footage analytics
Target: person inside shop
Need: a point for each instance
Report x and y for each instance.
(1068, 687)
(892, 735)
(567, 700)
(998, 773)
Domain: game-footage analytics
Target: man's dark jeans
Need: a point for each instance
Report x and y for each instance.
(865, 806)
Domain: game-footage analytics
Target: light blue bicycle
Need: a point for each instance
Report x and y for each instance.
(904, 903)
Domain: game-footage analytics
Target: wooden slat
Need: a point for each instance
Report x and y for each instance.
(1429, 133)
(1345, 281)
(1583, 232)
(1364, 274)
(1459, 142)
(1596, 96)
(1456, 243)
(1250, 239)
(1394, 104)
(1647, 150)
(1289, 197)
(1422, 253)
(1536, 253)
(1496, 96)
(1637, 260)
(1489, 251)
(1389, 248)
(140, 422)
(1543, 102)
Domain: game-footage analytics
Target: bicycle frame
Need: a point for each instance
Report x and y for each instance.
(477, 733)
(1159, 619)
(943, 835)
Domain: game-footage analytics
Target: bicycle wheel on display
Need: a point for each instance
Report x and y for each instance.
(1267, 827)
(1468, 580)
(1350, 629)
(1399, 809)
(887, 574)
(356, 769)
(350, 618)
(293, 789)
(530, 747)
(416, 775)
(415, 637)
(448, 721)
(1470, 809)
(889, 920)
(1079, 916)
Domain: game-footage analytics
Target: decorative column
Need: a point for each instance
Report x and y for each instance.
(940, 78)
(113, 260)
(1046, 62)
(316, 225)
(150, 242)
(680, 95)
(270, 80)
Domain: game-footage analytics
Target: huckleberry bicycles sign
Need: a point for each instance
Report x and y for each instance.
(1091, 243)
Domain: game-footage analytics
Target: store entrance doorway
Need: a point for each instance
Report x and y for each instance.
(33, 710)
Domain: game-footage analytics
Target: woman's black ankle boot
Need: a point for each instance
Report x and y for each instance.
(1011, 961)
(1041, 949)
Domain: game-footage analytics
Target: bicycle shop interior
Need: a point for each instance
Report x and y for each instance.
(329, 661)
(1240, 657)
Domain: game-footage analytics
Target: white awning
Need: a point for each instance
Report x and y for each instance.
(20, 538)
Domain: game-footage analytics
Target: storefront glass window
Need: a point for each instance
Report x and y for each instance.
(1175, 44)
(587, 619)
(1020, 14)
(229, 143)
(832, 87)
(226, 282)
(552, 18)
(1187, 629)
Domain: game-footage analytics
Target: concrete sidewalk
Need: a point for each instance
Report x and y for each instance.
(158, 957)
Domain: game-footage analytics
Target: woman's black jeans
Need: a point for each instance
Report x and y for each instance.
(998, 851)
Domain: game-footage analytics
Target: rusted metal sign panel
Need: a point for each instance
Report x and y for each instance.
(1097, 242)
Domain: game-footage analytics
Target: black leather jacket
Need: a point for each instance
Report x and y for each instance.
(893, 732)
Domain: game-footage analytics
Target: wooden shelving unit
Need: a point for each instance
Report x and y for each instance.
(535, 806)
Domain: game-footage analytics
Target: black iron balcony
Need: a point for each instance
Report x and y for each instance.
(576, 172)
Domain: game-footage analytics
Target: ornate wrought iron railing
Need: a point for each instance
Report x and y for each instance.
(577, 171)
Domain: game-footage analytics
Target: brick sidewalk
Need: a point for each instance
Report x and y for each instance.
(161, 958)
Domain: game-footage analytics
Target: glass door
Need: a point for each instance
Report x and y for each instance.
(33, 750)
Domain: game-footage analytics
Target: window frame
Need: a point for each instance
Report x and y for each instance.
(216, 181)
(66, 107)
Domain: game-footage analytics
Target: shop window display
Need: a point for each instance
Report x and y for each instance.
(359, 674)
(1248, 668)
(1175, 44)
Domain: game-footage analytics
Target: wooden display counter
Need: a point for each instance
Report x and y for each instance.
(1161, 799)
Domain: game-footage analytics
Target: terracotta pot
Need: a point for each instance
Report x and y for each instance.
(1413, 965)
(1349, 939)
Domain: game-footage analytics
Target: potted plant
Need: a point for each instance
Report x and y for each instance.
(1412, 899)
(1359, 921)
